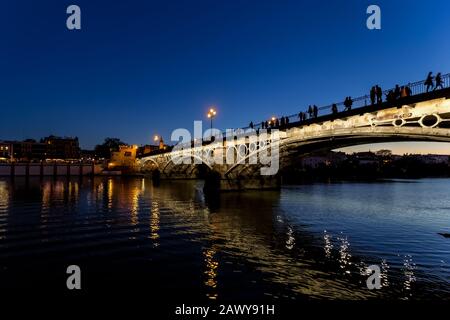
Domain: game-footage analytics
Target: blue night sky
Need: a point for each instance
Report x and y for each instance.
(137, 68)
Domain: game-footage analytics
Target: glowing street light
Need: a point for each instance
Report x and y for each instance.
(211, 114)
(159, 140)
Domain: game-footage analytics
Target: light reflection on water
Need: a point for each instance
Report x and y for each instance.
(308, 241)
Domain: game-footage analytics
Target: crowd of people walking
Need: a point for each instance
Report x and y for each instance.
(273, 123)
(375, 95)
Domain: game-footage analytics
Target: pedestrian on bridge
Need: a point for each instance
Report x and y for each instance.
(310, 111)
(390, 96)
(429, 81)
(315, 111)
(372, 95)
(251, 125)
(334, 108)
(408, 90)
(439, 83)
(379, 94)
(348, 103)
(397, 92)
(403, 92)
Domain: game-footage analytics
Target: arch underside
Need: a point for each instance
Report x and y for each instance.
(292, 149)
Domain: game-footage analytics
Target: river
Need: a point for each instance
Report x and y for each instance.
(310, 241)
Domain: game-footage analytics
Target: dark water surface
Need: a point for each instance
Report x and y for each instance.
(310, 241)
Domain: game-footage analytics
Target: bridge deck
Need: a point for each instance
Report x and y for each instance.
(413, 99)
(442, 93)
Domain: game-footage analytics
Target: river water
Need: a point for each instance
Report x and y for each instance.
(311, 241)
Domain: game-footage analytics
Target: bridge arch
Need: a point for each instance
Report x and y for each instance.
(295, 147)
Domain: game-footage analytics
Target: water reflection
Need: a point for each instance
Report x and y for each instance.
(154, 222)
(408, 270)
(328, 245)
(272, 239)
(345, 258)
(211, 271)
(4, 207)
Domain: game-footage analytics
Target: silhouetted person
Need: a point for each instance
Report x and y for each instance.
(334, 108)
(266, 124)
(379, 94)
(348, 104)
(287, 120)
(315, 111)
(310, 111)
(397, 92)
(262, 125)
(408, 91)
(372, 95)
(300, 116)
(277, 122)
(390, 96)
(251, 124)
(439, 83)
(282, 121)
(403, 92)
(429, 81)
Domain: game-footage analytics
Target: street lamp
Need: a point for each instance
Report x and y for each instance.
(160, 141)
(211, 114)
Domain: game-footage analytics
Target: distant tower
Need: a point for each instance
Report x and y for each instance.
(161, 143)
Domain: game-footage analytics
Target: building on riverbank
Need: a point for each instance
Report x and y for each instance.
(30, 150)
(124, 159)
(5, 151)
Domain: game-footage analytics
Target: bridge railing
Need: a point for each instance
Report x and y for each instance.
(416, 88)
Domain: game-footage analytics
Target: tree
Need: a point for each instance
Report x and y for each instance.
(110, 145)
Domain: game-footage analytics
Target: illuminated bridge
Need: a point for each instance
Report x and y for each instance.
(419, 116)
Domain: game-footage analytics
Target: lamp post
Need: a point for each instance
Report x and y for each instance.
(211, 114)
(160, 141)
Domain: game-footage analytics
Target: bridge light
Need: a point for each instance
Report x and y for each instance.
(211, 114)
(156, 138)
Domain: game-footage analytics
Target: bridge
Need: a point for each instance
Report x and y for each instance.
(235, 162)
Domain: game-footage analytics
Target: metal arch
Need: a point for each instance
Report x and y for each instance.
(187, 156)
(390, 133)
(149, 159)
(242, 161)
